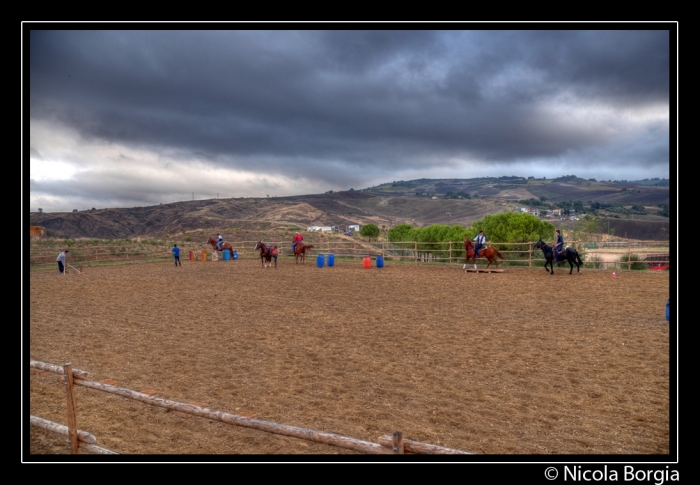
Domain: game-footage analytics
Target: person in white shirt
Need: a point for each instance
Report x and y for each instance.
(219, 242)
(61, 259)
(480, 241)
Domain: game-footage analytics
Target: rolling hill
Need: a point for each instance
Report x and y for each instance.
(383, 205)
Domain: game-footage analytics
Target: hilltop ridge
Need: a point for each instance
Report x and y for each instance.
(419, 202)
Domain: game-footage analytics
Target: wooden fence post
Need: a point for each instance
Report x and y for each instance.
(415, 251)
(70, 398)
(450, 260)
(629, 256)
(398, 442)
(529, 252)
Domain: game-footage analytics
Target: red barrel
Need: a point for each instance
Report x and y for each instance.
(190, 255)
(366, 263)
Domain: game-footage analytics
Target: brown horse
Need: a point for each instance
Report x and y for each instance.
(489, 253)
(224, 247)
(265, 254)
(300, 252)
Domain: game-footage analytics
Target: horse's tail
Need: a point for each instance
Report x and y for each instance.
(499, 253)
(578, 258)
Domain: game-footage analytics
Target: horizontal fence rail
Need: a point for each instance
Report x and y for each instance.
(626, 255)
(395, 445)
(86, 440)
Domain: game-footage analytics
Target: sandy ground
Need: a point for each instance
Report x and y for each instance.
(485, 363)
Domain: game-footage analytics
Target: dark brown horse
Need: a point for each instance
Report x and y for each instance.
(489, 253)
(300, 252)
(568, 254)
(265, 254)
(224, 247)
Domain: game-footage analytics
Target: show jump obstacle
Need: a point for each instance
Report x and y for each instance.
(484, 270)
(386, 444)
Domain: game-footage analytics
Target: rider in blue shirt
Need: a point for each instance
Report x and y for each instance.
(558, 245)
(219, 242)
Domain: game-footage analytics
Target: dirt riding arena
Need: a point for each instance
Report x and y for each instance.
(512, 363)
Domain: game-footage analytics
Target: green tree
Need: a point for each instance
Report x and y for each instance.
(591, 225)
(401, 232)
(369, 231)
(512, 227)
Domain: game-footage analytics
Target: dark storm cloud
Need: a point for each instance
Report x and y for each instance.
(354, 99)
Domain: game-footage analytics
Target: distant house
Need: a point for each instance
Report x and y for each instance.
(35, 231)
(313, 228)
(354, 227)
(523, 209)
(325, 229)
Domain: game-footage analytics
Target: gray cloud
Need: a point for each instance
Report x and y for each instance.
(305, 109)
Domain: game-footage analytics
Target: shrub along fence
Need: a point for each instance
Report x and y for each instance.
(630, 255)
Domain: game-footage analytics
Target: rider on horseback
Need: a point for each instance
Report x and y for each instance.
(558, 246)
(297, 239)
(480, 241)
(219, 242)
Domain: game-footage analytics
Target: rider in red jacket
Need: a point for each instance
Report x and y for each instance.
(297, 239)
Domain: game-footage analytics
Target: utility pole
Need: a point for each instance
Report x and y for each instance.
(449, 214)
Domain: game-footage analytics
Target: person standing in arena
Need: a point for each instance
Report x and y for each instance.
(176, 255)
(61, 259)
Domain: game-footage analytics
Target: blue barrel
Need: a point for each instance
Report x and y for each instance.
(331, 260)
(319, 260)
(227, 254)
(668, 310)
(380, 261)
(235, 255)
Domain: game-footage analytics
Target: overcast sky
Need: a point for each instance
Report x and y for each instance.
(125, 118)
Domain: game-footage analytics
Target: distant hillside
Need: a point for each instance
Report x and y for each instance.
(558, 189)
(456, 201)
(646, 182)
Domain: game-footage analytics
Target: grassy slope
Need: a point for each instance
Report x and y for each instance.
(383, 206)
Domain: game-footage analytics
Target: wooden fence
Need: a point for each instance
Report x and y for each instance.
(386, 444)
(85, 440)
(633, 253)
